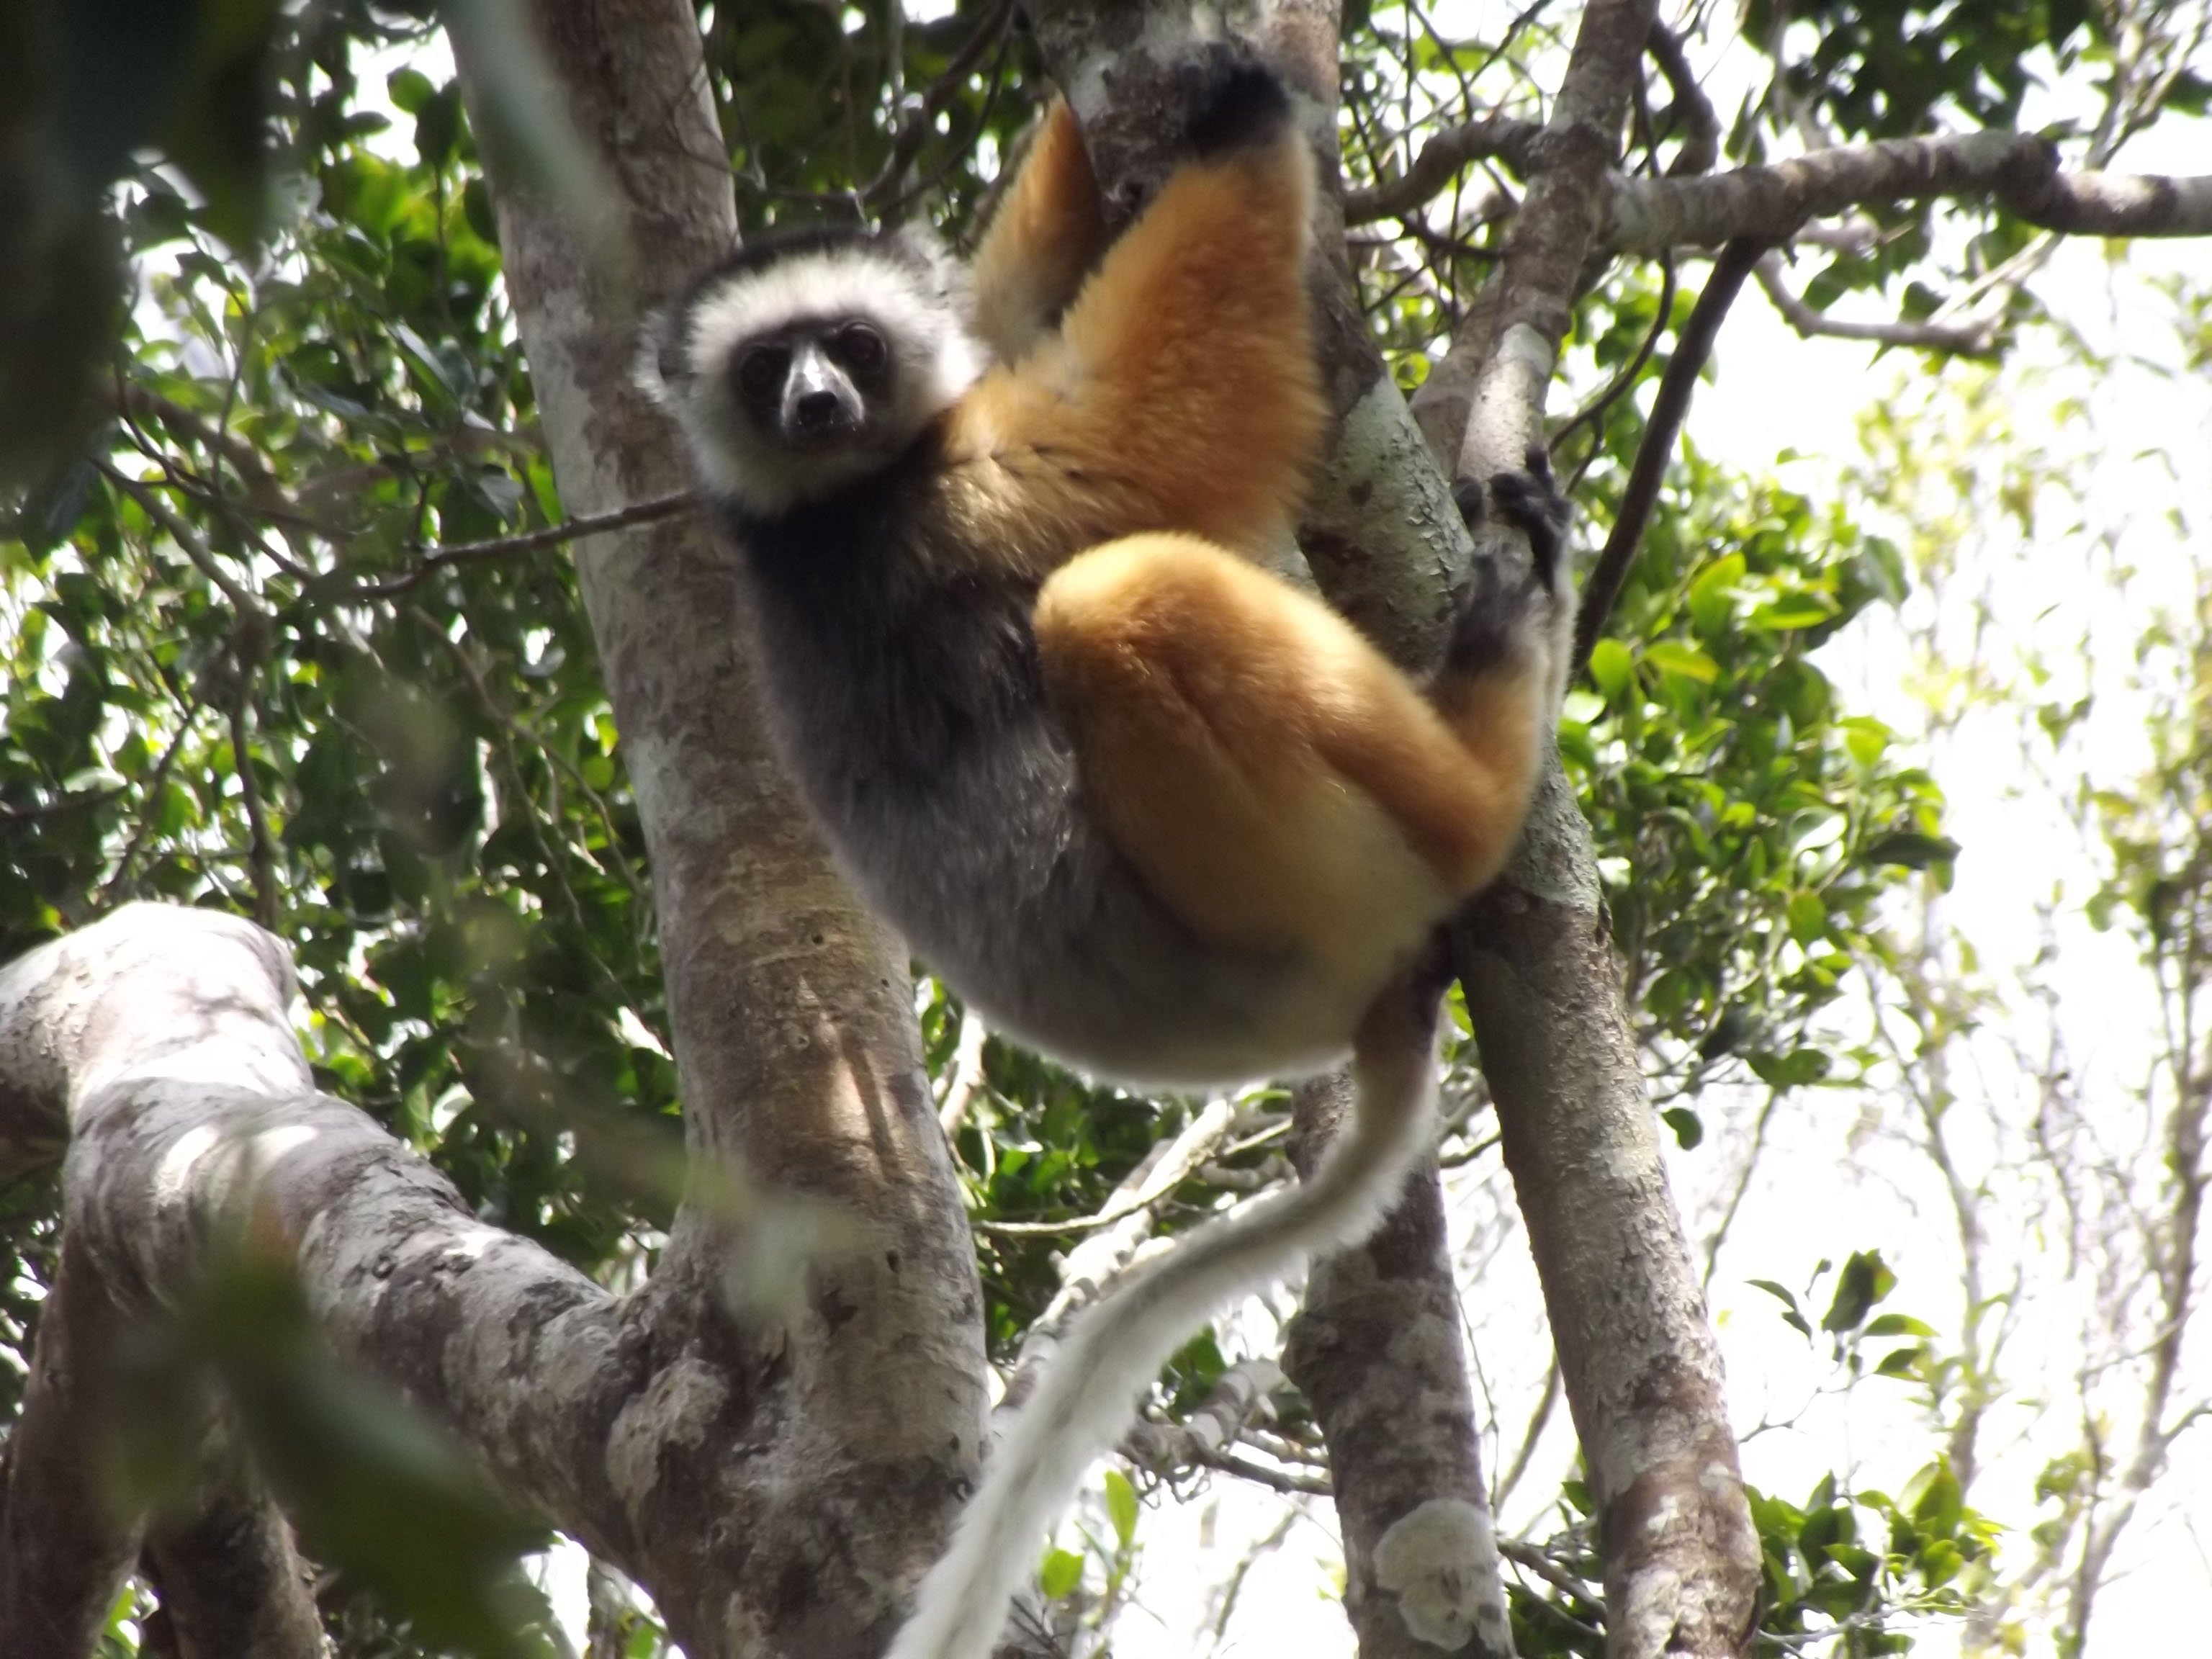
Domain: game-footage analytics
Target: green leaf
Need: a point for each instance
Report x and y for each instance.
(1900, 1362)
(1785, 616)
(1122, 1506)
(1712, 596)
(1689, 1128)
(411, 89)
(1808, 917)
(1895, 1324)
(1611, 667)
(1788, 1298)
(1865, 1280)
(1943, 1504)
(1678, 660)
(1061, 1573)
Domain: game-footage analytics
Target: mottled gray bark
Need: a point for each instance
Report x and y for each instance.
(231, 1584)
(162, 1037)
(1641, 1364)
(66, 1546)
(860, 1412)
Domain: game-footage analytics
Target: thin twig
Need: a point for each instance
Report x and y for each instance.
(967, 1080)
(1505, 138)
(1533, 1559)
(54, 809)
(260, 848)
(1183, 1159)
(186, 539)
(1967, 339)
(1734, 263)
(145, 824)
(1621, 382)
(919, 122)
(1701, 127)
(506, 547)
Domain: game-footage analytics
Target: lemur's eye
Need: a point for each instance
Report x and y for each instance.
(862, 347)
(760, 369)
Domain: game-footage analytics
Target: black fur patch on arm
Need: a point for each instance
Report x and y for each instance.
(1487, 615)
(1230, 100)
(1532, 504)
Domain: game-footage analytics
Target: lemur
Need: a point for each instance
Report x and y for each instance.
(1142, 803)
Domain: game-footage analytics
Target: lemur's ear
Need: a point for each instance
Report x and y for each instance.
(921, 246)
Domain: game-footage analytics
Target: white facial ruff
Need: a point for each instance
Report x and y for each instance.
(921, 317)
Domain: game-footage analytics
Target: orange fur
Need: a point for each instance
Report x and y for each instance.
(1181, 391)
(1277, 783)
(1042, 241)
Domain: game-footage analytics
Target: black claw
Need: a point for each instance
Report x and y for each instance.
(1532, 504)
(1230, 98)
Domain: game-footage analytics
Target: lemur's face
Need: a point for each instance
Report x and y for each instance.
(801, 367)
(817, 384)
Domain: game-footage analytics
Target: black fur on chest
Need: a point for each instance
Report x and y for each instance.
(890, 657)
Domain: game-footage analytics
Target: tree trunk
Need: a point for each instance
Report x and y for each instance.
(1637, 1350)
(859, 1407)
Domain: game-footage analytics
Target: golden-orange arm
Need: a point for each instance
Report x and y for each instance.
(1181, 391)
(1047, 233)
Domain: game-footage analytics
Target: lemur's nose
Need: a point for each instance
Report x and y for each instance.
(814, 411)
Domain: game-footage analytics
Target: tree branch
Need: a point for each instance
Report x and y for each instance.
(1668, 410)
(1967, 339)
(1641, 1367)
(507, 547)
(2018, 171)
(1442, 159)
(163, 1035)
(1701, 127)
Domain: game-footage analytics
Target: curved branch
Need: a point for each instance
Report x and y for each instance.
(2020, 170)
(1505, 137)
(1967, 339)
(1701, 127)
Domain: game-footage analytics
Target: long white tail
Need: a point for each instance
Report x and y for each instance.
(1115, 1350)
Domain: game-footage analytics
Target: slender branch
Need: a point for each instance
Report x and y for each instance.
(2020, 170)
(146, 819)
(52, 809)
(1160, 1178)
(506, 547)
(1546, 1402)
(1534, 1560)
(1505, 138)
(1281, 1480)
(1590, 411)
(1657, 449)
(1967, 339)
(1701, 127)
(260, 848)
(187, 539)
(1240, 1393)
(1092, 1266)
(920, 120)
(968, 1080)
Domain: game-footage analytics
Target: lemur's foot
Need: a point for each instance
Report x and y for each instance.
(1230, 99)
(1490, 615)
